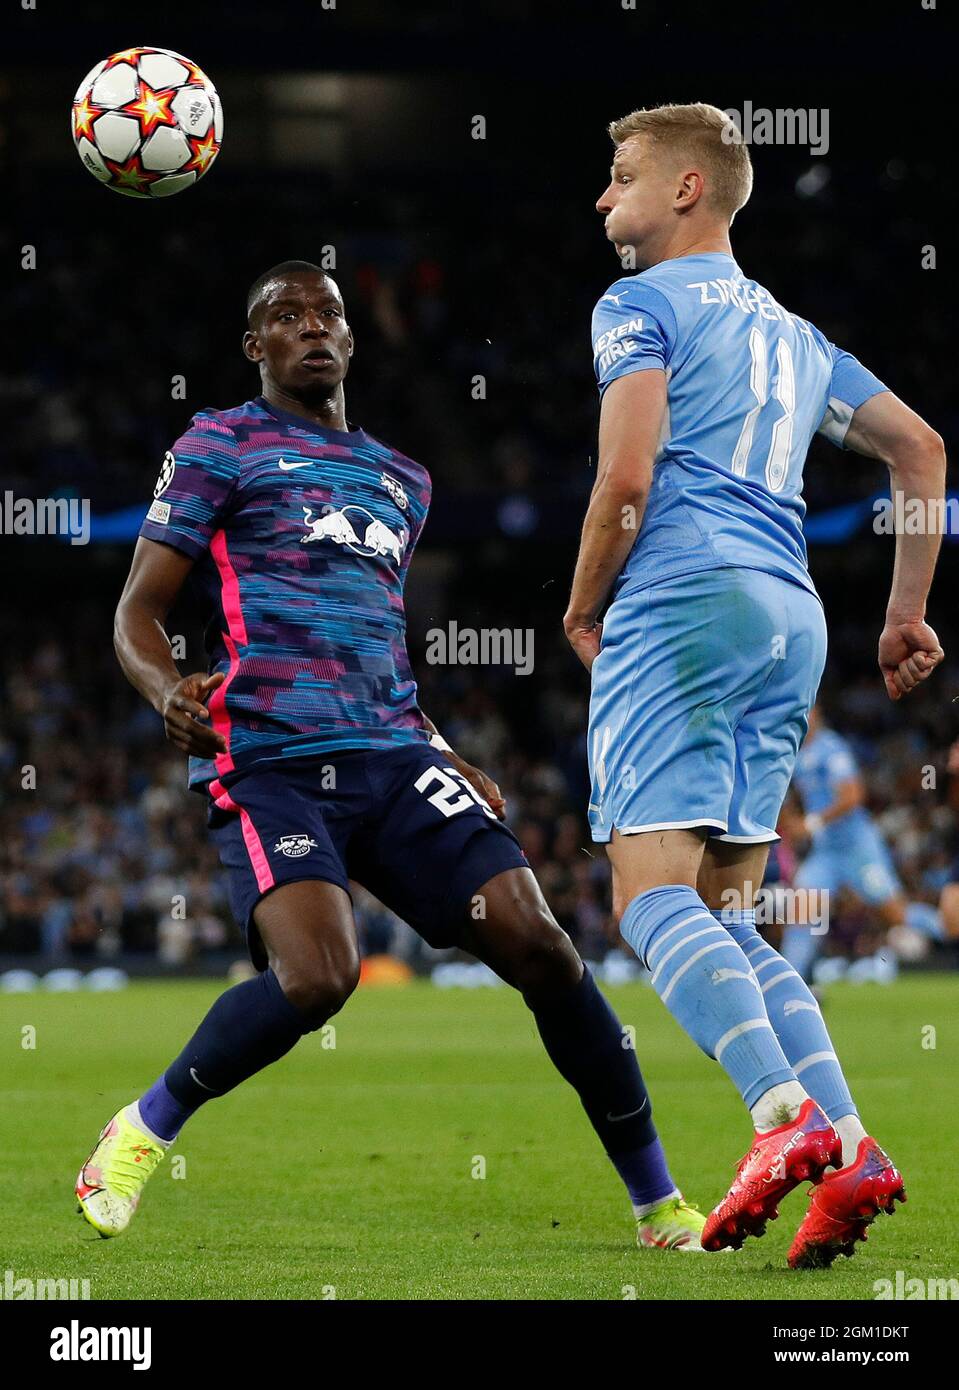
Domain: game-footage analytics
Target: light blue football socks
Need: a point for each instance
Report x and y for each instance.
(794, 1015)
(702, 976)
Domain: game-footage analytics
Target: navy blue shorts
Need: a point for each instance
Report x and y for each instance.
(400, 821)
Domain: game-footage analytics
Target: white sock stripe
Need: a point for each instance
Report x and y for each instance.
(707, 931)
(774, 959)
(789, 974)
(761, 946)
(695, 917)
(737, 1032)
(738, 919)
(704, 951)
(813, 1058)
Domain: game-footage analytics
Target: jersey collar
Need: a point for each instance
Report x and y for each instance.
(300, 422)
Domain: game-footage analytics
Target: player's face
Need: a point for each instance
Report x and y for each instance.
(301, 336)
(638, 201)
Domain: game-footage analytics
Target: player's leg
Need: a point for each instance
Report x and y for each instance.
(679, 663)
(665, 714)
(313, 966)
(870, 873)
(768, 736)
(517, 936)
(705, 980)
(699, 972)
(729, 875)
(302, 938)
(439, 858)
(866, 1181)
(949, 909)
(818, 879)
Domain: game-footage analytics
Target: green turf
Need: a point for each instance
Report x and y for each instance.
(351, 1169)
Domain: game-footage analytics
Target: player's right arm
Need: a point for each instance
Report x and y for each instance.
(143, 650)
(633, 333)
(883, 427)
(194, 494)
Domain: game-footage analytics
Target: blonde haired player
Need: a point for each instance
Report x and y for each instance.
(710, 653)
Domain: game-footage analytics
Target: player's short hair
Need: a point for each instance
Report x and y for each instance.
(277, 272)
(696, 131)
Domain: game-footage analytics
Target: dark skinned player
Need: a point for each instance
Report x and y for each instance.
(316, 763)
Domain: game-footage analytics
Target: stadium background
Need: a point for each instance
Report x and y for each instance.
(457, 257)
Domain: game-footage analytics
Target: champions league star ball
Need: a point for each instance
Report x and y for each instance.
(147, 122)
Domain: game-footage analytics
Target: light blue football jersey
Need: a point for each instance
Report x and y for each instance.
(748, 385)
(823, 763)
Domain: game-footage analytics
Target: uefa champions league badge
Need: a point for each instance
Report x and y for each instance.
(167, 469)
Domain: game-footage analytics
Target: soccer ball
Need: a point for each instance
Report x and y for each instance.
(147, 122)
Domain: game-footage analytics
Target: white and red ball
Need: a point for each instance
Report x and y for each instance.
(147, 122)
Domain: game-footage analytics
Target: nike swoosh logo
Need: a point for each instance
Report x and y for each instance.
(288, 467)
(200, 1083)
(628, 1116)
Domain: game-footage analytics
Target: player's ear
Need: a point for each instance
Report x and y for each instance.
(690, 188)
(251, 347)
(349, 334)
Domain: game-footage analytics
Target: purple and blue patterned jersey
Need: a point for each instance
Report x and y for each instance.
(302, 538)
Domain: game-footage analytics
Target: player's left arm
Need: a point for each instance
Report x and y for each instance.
(885, 428)
(477, 779)
(630, 426)
(865, 416)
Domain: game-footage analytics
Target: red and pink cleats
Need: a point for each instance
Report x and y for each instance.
(844, 1204)
(778, 1161)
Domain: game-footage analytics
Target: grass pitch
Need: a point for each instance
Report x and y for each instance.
(348, 1172)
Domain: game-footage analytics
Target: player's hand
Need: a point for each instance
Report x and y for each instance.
(908, 655)
(486, 787)
(584, 638)
(186, 717)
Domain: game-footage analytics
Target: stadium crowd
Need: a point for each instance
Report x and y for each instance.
(105, 856)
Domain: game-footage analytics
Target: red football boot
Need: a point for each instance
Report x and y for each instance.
(844, 1204)
(778, 1161)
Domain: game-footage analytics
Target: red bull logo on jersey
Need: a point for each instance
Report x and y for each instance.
(355, 528)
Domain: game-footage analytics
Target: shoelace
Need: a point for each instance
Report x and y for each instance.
(677, 1205)
(124, 1174)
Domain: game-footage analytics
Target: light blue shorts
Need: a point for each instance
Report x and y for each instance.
(865, 866)
(700, 698)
